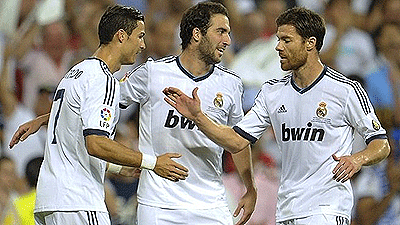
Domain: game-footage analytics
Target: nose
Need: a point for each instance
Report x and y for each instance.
(143, 45)
(278, 46)
(227, 40)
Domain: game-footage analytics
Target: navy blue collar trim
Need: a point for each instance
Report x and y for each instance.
(304, 90)
(194, 78)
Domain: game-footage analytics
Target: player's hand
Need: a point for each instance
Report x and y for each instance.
(24, 131)
(169, 169)
(128, 171)
(345, 169)
(187, 106)
(247, 203)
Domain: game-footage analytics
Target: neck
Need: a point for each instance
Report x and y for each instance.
(108, 56)
(191, 61)
(308, 73)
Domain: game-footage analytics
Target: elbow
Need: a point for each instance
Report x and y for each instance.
(238, 146)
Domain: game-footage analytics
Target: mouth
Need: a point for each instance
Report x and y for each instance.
(221, 50)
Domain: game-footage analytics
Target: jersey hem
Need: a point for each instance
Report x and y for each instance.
(312, 214)
(68, 209)
(183, 206)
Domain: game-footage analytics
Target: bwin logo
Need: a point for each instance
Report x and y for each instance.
(173, 120)
(302, 133)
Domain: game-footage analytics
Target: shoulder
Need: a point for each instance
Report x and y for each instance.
(220, 69)
(341, 80)
(277, 82)
(92, 67)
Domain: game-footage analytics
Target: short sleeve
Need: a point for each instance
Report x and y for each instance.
(134, 86)
(99, 106)
(361, 115)
(236, 112)
(256, 121)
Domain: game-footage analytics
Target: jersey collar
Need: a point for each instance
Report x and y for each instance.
(103, 65)
(304, 90)
(194, 78)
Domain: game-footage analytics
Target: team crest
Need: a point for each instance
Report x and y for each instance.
(321, 110)
(105, 114)
(218, 100)
(376, 125)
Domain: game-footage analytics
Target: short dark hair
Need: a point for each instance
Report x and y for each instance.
(199, 16)
(307, 23)
(118, 17)
(32, 171)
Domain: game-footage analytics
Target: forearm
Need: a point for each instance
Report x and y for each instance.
(112, 151)
(244, 166)
(43, 119)
(376, 151)
(222, 135)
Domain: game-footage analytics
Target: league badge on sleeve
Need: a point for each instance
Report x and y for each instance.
(106, 117)
(376, 125)
(106, 114)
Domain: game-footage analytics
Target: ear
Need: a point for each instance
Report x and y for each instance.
(311, 43)
(121, 35)
(196, 34)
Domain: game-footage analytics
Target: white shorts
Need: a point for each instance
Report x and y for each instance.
(154, 215)
(320, 219)
(72, 217)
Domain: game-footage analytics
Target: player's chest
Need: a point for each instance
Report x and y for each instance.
(318, 108)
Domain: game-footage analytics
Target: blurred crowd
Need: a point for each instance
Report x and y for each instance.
(41, 39)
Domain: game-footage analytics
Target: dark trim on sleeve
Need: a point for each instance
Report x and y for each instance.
(121, 106)
(88, 132)
(244, 134)
(380, 136)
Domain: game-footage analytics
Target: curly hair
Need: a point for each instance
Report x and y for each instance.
(199, 16)
(118, 17)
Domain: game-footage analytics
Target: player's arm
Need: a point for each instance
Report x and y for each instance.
(190, 108)
(114, 152)
(243, 163)
(347, 166)
(29, 128)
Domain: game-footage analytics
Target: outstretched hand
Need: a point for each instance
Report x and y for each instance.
(169, 169)
(345, 169)
(187, 106)
(24, 131)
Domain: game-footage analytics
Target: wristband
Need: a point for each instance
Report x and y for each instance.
(148, 161)
(114, 168)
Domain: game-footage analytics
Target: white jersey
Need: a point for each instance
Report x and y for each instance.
(85, 103)
(162, 129)
(311, 125)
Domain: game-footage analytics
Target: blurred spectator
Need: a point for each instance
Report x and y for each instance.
(271, 10)
(383, 83)
(377, 189)
(346, 48)
(258, 61)
(14, 114)
(161, 38)
(7, 190)
(25, 204)
(46, 66)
